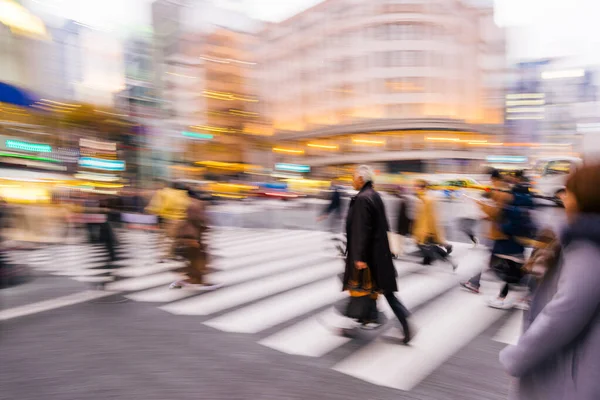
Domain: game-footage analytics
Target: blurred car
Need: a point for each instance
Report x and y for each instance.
(235, 191)
(275, 191)
(460, 184)
(549, 177)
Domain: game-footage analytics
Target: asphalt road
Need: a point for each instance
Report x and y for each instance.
(115, 349)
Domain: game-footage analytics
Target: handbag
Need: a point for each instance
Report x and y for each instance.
(362, 304)
(363, 308)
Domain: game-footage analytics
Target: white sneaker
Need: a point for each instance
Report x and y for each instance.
(522, 304)
(175, 285)
(370, 326)
(204, 287)
(501, 304)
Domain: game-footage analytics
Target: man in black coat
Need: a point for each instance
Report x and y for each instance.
(368, 247)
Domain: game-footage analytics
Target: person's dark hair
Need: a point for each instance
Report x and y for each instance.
(421, 183)
(495, 174)
(584, 183)
(519, 174)
(180, 186)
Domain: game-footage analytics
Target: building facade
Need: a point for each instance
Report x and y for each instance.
(203, 73)
(384, 63)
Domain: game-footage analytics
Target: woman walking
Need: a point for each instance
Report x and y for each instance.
(558, 356)
(189, 243)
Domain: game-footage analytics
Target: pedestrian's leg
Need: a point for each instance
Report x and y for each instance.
(401, 313)
(504, 291)
(476, 280)
(195, 267)
(400, 240)
(426, 253)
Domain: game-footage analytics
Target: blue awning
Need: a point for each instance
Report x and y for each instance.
(13, 95)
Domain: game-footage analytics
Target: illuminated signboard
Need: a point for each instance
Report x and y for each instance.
(292, 167)
(196, 135)
(26, 146)
(506, 159)
(97, 163)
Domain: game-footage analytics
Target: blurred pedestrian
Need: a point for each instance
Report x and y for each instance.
(507, 253)
(170, 204)
(427, 230)
(557, 356)
(468, 216)
(190, 244)
(369, 266)
(334, 209)
(404, 221)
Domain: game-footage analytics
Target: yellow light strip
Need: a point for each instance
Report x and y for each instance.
(60, 104)
(291, 151)
(365, 141)
(443, 139)
(485, 144)
(323, 146)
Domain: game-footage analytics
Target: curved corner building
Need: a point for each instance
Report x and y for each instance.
(409, 85)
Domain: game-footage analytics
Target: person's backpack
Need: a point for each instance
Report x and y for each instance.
(516, 217)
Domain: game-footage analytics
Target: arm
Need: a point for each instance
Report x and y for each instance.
(362, 228)
(493, 211)
(155, 204)
(564, 317)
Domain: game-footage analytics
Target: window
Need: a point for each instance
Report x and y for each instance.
(405, 85)
(407, 58)
(560, 167)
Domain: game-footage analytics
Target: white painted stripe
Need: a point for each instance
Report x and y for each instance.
(270, 312)
(231, 277)
(244, 293)
(445, 327)
(132, 284)
(148, 269)
(283, 254)
(47, 305)
(84, 272)
(243, 235)
(314, 337)
(268, 244)
(511, 330)
(94, 279)
(254, 239)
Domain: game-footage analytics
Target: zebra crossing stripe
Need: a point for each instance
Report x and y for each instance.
(313, 338)
(267, 244)
(445, 327)
(251, 239)
(267, 255)
(511, 330)
(51, 304)
(133, 284)
(233, 277)
(275, 310)
(230, 297)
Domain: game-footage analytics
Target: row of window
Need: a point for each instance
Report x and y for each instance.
(287, 70)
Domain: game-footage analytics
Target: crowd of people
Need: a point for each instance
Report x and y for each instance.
(557, 354)
(555, 357)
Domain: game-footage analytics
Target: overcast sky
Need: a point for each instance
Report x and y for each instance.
(538, 28)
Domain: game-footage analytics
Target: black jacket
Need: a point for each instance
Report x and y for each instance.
(404, 223)
(367, 232)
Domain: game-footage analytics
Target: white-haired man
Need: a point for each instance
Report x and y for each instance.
(369, 250)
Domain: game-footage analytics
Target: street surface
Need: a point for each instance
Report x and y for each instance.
(83, 329)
